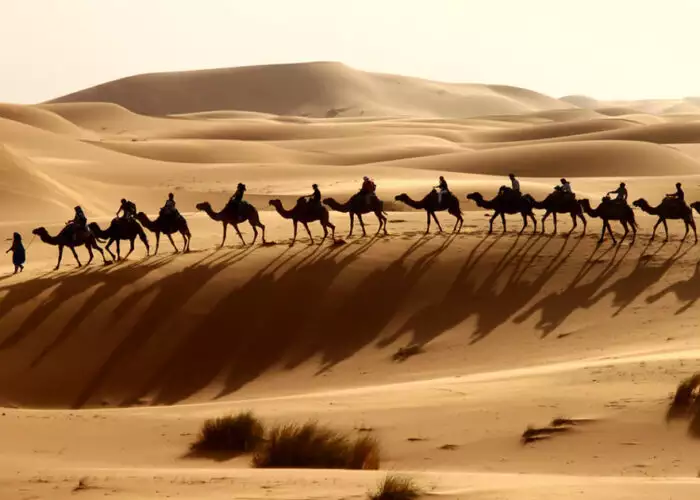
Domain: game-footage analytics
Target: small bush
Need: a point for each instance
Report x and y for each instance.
(396, 488)
(313, 446)
(685, 399)
(237, 434)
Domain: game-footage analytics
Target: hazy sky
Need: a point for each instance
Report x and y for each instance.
(604, 48)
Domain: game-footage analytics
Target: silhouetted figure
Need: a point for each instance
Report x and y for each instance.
(442, 189)
(127, 209)
(368, 189)
(564, 187)
(237, 197)
(18, 253)
(315, 198)
(169, 209)
(513, 190)
(621, 193)
(679, 194)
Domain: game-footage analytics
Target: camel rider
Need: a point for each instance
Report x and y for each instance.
(514, 186)
(237, 197)
(565, 187)
(128, 209)
(442, 189)
(621, 193)
(169, 207)
(679, 194)
(368, 188)
(79, 222)
(315, 198)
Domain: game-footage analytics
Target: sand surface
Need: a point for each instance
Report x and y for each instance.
(107, 372)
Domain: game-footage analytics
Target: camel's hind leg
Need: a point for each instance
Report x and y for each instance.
(458, 223)
(585, 224)
(326, 223)
(503, 221)
(60, 257)
(75, 254)
(493, 217)
(131, 247)
(109, 244)
(144, 240)
(352, 223)
(362, 224)
(534, 222)
(524, 223)
(187, 237)
(653, 233)
(235, 226)
(610, 232)
(294, 237)
(666, 229)
(692, 224)
(93, 244)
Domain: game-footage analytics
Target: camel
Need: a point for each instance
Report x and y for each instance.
(669, 208)
(430, 204)
(502, 205)
(357, 206)
(65, 239)
(120, 229)
(559, 203)
(229, 215)
(304, 213)
(611, 210)
(167, 226)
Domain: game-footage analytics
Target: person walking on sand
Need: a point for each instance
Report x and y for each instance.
(18, 254)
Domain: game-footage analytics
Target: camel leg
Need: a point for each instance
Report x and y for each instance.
(131, 247)
(585, 224)
(666, 229)
(607, 224)
(72, 249)
(634, 232)
(223, 240)
(544, 218)
(575, 223)
(524, 223)
(687, 230)
(534, 222)
(119, 252)
(503, 221)
(60, 256)
(384, 220)
(294, 238)
(602, 233)
(653, 233)
(144, 240)
(255, 232)
(235, 226)
(170, 237)
(94, 245)
(454, 229)
(262, 228)
(362, 224)
(157, 243)
(109, 243)
(187, 236)
(427, 229)
(491, 222)
(332, 226)
(325, 230)
(437, 222)
(311, 238)
(352, 223)
(692, 224)
(554, 217)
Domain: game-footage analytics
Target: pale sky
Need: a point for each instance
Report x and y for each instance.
(608, 49)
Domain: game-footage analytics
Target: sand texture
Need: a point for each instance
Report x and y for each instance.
(108, 371)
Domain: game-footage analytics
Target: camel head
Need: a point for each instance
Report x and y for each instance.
(585, 203)
(476, 197)
(696, 206)
(327, 201)
(205, 205)
(401, 197)
(275, 203)
(40, 231)
(641, 203)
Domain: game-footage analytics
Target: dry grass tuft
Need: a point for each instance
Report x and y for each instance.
(406, 352)
(396, 488)
(313, 446)
(684, 403)
(230, 435)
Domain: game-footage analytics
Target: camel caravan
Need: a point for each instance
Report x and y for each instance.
(130, 224)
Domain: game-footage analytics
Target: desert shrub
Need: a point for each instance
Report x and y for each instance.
(684, 400)
(233, 434)
(314, 446)
(396, 488)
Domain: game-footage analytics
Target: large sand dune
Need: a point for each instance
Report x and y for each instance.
(107, 372)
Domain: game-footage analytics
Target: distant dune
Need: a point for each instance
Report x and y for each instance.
(321, 89)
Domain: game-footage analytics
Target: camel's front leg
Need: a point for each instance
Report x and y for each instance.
(692, 224)
(427, 229)
(238, 232)
(223, 239)
(60, 256)
(109, 244)
(544, 218)
(575, 223)
(75, 254)
(294, 237)
(362, 224)
(602, 234)
(131, 247)
(493, 217)
(119, 250)
(503, 221)
(170, 237)
(352, 223)
(624, 226)
(255, 233)
(534, 222)
(666, 229)
(186, 238)
(607, 225)
(653, 233)
(157, 243)
(308, 231)
(437, 222)
(554, 217)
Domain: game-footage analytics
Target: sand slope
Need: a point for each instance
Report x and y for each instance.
(321, 89)
(106, 372)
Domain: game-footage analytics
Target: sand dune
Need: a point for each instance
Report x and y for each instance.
(107, 372)
(320, 89)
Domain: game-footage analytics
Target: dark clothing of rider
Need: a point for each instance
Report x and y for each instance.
(316, 196)
(443, 185)
(621, 193)
(679, 194)
(128, 208)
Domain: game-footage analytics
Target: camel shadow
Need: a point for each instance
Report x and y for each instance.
(557, 307)
(686, 291)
